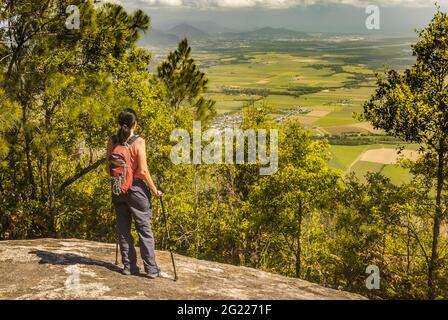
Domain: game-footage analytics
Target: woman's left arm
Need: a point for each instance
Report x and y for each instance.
(142, 167)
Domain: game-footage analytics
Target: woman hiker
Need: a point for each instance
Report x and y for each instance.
(126, 153)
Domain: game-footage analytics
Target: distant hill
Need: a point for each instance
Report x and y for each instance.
(211, 27)
(159, 38)
(270, 33)
(187, 31)
(170, 37)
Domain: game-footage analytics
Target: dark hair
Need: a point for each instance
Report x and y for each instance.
(126, 120)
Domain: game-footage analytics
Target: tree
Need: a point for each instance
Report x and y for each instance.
(281, 203)
(413, 106)
(65, 84)
(185, 83)
(9, 117)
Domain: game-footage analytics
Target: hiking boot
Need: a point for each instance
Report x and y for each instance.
(130, 271)
(152, 275)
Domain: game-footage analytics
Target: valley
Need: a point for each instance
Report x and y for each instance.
(321, 79)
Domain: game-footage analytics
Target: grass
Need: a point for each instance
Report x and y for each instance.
(345, 155)
(398, 175)
(361, 168)
(338, 118)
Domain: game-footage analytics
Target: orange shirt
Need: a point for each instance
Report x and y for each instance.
(134, 159)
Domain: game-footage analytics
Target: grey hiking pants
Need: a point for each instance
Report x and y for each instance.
(136, 204)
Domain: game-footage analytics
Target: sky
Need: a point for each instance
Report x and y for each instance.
(397, 17)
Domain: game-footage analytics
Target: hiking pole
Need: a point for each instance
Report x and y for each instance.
(116, 234)
(167, 231)
(116, 253)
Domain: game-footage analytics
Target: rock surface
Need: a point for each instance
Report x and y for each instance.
(77, 269)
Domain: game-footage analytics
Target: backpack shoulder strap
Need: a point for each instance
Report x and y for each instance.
(132, 140)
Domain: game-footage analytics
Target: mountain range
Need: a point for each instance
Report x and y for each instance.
(171, 35)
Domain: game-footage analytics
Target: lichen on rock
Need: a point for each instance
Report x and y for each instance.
(78, 269)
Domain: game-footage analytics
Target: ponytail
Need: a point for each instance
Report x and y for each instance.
(126, 120)
(123, 134)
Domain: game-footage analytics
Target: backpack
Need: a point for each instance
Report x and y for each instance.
(120, 168)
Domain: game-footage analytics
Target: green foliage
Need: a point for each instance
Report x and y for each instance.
(412, 106)
(61, 90)
(9, 117)
(185, 83)
(293, 195)
(256, 114)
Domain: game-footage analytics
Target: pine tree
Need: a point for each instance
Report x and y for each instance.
(62, 82)
(185, 83)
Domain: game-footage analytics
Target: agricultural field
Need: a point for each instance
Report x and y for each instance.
(327, 83)
(382, 158)
(287, 81)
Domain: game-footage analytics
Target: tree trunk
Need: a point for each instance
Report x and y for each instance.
(196, 212)
(49, 172)
(433, 262)
(51, 193)
(13, 159)
(298, 257)
(29, 164)
(408, 249)
(40, 165)
(299, 243)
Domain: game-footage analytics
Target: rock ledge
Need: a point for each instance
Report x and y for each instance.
(77, 269)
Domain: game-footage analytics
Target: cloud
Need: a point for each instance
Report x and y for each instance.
(270, 3)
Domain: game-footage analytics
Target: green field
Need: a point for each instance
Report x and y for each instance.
(286, 81)
(361, 168)
(344, 156)
(337, 118)
(328, 88)
(397, 174)
(347, 158)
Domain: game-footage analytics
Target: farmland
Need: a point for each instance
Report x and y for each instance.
(326, 77)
